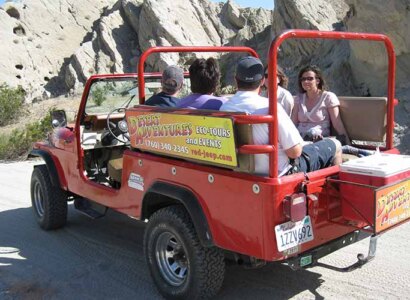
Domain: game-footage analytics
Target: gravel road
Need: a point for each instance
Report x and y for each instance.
(103, 259)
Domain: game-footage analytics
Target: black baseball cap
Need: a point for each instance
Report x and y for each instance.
(249, 69)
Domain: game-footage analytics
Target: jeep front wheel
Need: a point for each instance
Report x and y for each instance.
(180, 266)
(49, 202)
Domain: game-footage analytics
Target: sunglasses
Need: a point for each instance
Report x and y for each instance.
(310, 78)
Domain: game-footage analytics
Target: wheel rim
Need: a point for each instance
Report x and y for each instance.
(38, 199)
(171, 259)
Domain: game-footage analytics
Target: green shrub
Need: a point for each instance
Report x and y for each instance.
(19, 142)
(11, 102)
(99, 96)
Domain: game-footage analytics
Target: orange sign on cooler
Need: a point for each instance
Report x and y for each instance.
(392, 205)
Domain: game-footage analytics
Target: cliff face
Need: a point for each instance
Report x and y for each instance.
(331, 56)
(351, 68)
(51, 47)
(38, 39)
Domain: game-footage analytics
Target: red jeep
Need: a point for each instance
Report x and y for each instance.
(189, 174)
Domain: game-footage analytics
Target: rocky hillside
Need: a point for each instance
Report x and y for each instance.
(356, 68)
(51, 47)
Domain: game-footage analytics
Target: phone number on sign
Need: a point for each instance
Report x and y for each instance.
(166, 147)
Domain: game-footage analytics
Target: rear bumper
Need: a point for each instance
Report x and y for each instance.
(311, 258)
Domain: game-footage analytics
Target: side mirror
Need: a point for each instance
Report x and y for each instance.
(58, 118)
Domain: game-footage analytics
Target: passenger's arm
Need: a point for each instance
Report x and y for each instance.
(292, 104)
(295, 112)
(288, 103)
(334, 113)
(294, 152)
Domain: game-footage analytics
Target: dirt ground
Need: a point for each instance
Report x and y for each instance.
(103, 259)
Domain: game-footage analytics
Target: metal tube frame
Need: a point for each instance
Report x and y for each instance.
(272, 122)
(337, 35)
(144, 56)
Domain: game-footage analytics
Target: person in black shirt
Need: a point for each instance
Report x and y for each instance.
(172, 80)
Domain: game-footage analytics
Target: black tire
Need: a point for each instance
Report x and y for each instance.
(49, 202)
(170, 241)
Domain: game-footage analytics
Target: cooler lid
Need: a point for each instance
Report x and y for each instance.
(380, 165)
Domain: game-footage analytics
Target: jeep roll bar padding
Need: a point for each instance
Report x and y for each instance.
(172, 194)
(337, 35)
(51, 168)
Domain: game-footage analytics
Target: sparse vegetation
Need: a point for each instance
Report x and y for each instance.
(19, 142)
(11, 102)
(226, 90)
(99, 96)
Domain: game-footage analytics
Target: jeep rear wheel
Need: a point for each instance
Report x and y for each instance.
(180, 266)
(49, 202)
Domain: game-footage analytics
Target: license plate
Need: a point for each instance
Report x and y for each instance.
(291, 234)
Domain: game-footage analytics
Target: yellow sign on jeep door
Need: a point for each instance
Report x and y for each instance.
(202, 138)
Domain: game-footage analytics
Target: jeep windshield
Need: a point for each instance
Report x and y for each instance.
(108, 94)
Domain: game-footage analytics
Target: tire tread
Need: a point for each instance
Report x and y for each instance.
(55, 205)
(211, 270)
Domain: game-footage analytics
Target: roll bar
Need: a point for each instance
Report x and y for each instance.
(337, 35)
(144, 56)
(272, 122)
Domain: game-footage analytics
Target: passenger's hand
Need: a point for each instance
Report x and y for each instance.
(317, 137)
(313, 134)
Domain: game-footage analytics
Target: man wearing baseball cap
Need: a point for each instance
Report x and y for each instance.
(171, 82)
(292, 157)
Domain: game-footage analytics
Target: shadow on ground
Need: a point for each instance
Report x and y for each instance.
(103, 259)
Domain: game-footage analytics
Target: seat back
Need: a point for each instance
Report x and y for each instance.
(244, 136)
(365, 118)
(115, 169)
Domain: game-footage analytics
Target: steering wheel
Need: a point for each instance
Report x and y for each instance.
(118, 131)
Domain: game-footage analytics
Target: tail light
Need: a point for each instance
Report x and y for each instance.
(294, 207)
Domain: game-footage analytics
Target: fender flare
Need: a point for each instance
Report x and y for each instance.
(177, 194)
(51, 167)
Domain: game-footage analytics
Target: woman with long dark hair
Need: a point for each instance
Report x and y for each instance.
(316, 109)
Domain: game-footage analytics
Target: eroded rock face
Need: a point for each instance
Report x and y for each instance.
(354, 67)
(112, 47)
(52, 47)
(330, 56)
(39, 37)
(196, 23)
(351, 68)
(388, 17)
